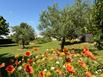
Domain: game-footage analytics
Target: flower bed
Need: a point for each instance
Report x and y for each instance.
(53, 63)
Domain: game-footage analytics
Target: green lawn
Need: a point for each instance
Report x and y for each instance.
(10, 49)
(15, 49)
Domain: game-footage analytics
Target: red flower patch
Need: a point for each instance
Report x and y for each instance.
(28, 68)
(10, 69)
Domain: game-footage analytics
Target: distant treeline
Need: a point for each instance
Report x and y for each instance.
(6, 41)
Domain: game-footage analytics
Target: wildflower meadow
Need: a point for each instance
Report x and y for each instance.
(53, 63)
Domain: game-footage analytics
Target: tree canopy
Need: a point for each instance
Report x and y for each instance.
(23, 34)
(98, 22)
(60, 23)
(3, 26)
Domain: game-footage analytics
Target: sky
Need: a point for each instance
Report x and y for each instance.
(17, 11)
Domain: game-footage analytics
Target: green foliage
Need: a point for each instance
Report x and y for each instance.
(23, 34)
(98, 21)
(42, 40)
(69, 21)
(3, 26)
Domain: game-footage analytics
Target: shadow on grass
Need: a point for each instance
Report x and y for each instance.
(2, 55)
(7, 45)
(7, 59)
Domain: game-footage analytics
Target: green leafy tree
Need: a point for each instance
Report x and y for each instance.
(23, 34)
(3, 26)
(98, 22)
(61, 23)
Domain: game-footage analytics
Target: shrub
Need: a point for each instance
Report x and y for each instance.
(42, 40)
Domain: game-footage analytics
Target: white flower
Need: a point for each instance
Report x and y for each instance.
(96, 72)
(19, 61)
(63, 66)
(57, 62)
(19, 68)
(43, 59)
(42, 55)
(52, 68)
(22, 59)
(45, 69)
(36, 56)
(33, 62)
(47, 49)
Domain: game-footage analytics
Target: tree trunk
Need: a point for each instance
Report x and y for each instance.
(62, 43)
(23, 45)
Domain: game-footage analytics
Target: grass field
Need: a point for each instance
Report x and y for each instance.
(12, 49)
(15, 49)
(45, 61)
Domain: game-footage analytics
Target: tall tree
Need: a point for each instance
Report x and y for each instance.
(98, 16)
(3, 26)
(61, 23)
(23, 34)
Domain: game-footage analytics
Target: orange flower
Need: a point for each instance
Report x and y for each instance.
(16, 56)
(65, 50)
(88, 74)
(16, 62)
(62, 54)
(69, 68)
(28, 68)
(42, 74)
(30, 61)
(69, 60)
(58, 71)
(36, 49)
(28, 53)
(48, 73)
(46, 54)
(82, 63)
(87, 53)
(10, 69)
(2, 65)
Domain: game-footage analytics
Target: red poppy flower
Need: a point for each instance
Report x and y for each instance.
(42, 74)
(82, 63)
(17, 62)
(28, 53)
(28, 68)
(30, 61)
(88, 74)
(69, 60)
(70, 69)
(2, 65)
(65, 50)
(10, 69)
(87, 53)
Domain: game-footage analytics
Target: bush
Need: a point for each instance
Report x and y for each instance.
(6, 41)
(42, 40)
